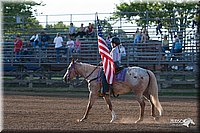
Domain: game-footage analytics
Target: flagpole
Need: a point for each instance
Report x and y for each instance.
(96, 19)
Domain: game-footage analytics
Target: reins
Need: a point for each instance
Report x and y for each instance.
(85, 78)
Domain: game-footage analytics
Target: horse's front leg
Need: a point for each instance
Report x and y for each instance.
(109, 104)
(92, 98)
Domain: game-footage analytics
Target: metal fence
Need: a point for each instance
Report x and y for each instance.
(39, 66)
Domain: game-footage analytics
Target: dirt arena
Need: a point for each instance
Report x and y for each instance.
(61, 113)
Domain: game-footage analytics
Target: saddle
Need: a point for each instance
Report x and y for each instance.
(118, 70)
(120, 74)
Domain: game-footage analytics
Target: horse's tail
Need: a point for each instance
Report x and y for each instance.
(153, 91)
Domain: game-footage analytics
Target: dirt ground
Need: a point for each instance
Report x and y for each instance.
(61, 113)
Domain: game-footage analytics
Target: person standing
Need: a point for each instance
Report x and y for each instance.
(159, 26)
(58, 40)
(122, 51)
(18, 44)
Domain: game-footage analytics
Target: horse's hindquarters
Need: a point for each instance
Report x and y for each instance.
(121, 88)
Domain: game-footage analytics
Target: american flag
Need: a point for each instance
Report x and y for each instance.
(107, 61)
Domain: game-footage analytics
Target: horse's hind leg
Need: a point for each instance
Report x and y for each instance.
(153, 111)
(147, 96)
(109, 104)
(92, 98)
(140, 99)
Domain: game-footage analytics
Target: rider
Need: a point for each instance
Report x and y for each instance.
(116, 56)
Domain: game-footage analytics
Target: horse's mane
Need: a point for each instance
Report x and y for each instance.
(86, 64)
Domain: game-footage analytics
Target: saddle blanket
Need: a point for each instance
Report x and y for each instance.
(118, 77)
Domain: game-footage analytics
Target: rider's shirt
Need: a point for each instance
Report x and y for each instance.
(115, 54)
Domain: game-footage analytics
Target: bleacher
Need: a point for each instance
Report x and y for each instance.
(39, 66)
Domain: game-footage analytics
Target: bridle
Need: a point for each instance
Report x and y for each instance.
(76, 73)
(70, 71)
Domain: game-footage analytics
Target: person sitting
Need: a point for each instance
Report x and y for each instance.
(165, 44)
(72, 31)
(90, 30)
(137, 37)
(44, 40)
(77, 46)
(34, 40)
(70, 45)
(145, 36)
(116, 56)
(81, 32)
(176, 47)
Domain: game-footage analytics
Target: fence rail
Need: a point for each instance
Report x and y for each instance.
(39, 66)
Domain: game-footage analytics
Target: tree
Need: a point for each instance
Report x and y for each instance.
(174, 15)
(19, 15)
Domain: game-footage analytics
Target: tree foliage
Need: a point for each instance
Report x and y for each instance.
(59, 25)
(19, 16)
(178, 15)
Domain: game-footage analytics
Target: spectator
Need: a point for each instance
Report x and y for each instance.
(165, 44)
(81, 31)
(77, 46)
(27, 49)
(58, 40)
(72, 30)
(35, 40)
(159, 26)
(122, 51)
(145, 36)
(18, 44)
(44, 40)
(70, 45)
(194, 23)
(177, 46)
(137, 37)
(90, 30)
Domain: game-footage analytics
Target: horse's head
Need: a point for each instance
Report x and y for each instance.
(71, 72)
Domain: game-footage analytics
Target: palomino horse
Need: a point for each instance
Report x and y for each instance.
(138, 80)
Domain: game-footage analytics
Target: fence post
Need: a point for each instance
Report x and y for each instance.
(30, 85)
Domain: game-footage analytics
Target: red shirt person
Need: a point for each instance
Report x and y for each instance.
(17, 46)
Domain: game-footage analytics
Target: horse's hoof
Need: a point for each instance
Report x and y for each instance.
(113, 117)
(156, 118)
(112, 120)
(81, 120)
(138, 121)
